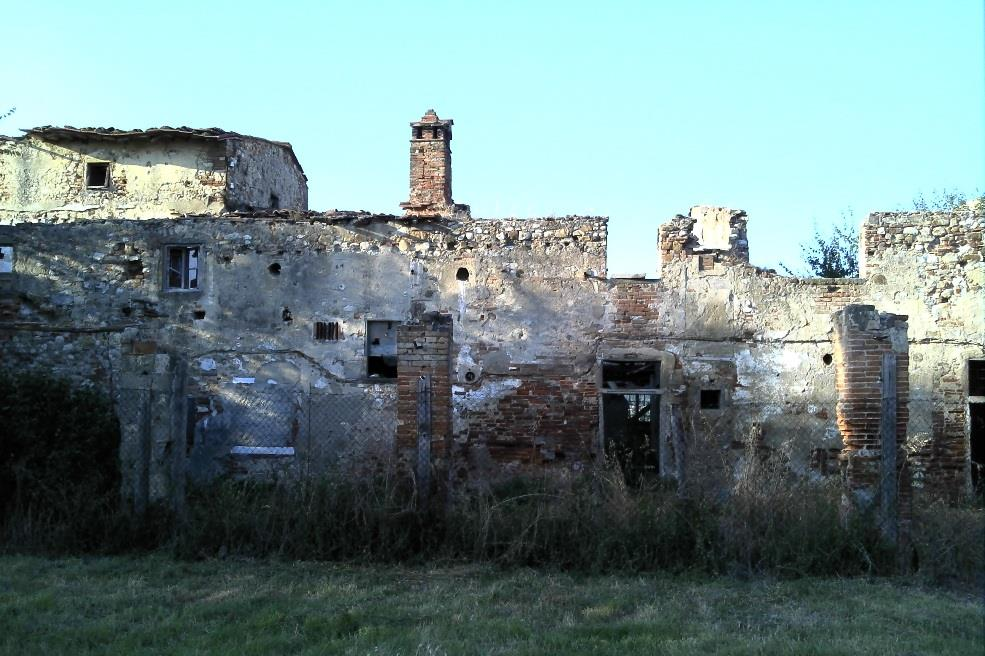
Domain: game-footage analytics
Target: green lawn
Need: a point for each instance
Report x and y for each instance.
(154, 605)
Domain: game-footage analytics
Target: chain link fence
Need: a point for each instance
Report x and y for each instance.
(271, 430)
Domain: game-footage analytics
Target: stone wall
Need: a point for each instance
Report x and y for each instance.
(46, 179)
(264, 176)
(533, 315)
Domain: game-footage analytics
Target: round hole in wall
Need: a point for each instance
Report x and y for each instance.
(827, 359)
(462, 274)
(469, 376)
(274, 269)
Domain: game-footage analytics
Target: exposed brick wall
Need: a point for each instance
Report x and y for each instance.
(635, 307)
(423, 349)
(862, 337)
(544, 419)
(832, 294)
(943, 459)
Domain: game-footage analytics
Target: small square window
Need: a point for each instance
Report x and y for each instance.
(330, 331)
(182, 268)
(97, 175)
(976, 377)
(711, 399)
(6, 259)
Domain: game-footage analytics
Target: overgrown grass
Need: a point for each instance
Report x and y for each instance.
(59, 478)
(764, 521)
(155, 605)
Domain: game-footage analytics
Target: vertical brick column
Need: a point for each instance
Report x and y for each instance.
(862, 336)
(424, 349)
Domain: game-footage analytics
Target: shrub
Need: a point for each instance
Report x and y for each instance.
(949, 543)
(59, 466)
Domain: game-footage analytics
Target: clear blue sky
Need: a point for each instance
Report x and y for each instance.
(793, 111)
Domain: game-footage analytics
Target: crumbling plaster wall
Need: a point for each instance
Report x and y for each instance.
(264, 175)
(43, 179)
(263, 283)
(533, 314)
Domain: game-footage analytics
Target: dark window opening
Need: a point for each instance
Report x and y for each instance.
(711, 399)
(418, 133)
(133, 269)
(381, 349)
(434, 133)
(977, 412)
(286, 315)
(462, 274)
(379, 366)
(706, 262)
(97, 174)
(199, 314)
(274, 269)
(183, 267)
(618, 374)
(328, 331)
(274, 201)
(631, 423)
(826, 358)
(976, 377)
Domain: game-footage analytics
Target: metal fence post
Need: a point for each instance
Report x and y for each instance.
(888, 487)
(424, 438)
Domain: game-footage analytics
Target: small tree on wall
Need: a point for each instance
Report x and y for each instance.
(834, 255)
(831, 255)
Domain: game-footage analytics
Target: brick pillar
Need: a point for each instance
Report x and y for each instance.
(424, 349)
(862, 336)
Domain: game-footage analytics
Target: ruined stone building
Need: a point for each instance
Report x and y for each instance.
(183, 266)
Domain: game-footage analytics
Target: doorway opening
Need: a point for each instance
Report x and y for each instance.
(631, 417)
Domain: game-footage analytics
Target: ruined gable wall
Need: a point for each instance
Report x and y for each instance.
(725, 318)
(260, 170)
(149, 179)
(929, 266)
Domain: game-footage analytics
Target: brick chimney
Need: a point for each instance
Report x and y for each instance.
(430, 169)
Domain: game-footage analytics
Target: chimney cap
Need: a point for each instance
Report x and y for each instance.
(430, 118)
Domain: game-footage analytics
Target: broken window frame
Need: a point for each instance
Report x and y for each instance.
(376, 360)
(107, 177)
(652, 462)
(184, 273)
